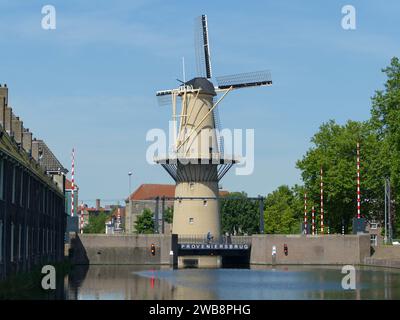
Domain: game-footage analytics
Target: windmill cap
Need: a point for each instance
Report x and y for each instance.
(205, 86)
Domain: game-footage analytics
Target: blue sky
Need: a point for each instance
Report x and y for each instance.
(91, 82)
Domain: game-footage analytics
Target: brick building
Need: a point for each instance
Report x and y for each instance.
(32, 208)
(68, 197)
(148, 196)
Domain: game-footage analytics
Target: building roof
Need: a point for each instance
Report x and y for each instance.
(203, 84)
(152, 191)
(47, 159)
(68, 185)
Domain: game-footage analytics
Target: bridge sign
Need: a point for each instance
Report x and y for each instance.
(213, 246)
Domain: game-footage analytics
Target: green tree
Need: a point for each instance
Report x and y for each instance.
(145, 222)
(385, 120)
(169, 215)
(283, 211)
(96, 223)
(239, 214)
(335, 151)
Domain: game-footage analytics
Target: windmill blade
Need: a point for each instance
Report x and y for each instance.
(202, 47)
(243, 80)
(164, 97)
(217, 121)
(163, 101)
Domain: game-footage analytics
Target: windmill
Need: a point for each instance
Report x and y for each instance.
(198, 160)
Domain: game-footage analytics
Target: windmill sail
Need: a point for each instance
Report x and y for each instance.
(202, 47)
(243, 80)
(217, 121)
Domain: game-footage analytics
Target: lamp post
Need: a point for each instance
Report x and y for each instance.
(130, 175)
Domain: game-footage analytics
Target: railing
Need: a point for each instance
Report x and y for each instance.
(201, 239)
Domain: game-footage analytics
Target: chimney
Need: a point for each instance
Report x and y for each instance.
(35, 149)
(8, 120)
(27, 141)
(4, 94)
(97, 204)
(2, 111)
(17, 128)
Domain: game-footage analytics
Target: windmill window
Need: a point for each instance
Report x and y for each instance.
(191, 220)
(205, 203)
(191, 185)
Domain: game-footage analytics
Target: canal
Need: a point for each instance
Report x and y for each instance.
(97, 282)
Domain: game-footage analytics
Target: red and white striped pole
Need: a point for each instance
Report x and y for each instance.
(119, 218)
(72, 182)
(305, 212)
(322, 203)
(313, 220)
(358, 183)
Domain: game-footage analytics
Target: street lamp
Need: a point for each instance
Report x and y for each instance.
(129, 191)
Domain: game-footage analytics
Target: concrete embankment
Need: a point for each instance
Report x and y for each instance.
(323, 250)
(136, 249)
(119, 249)
(384, 256)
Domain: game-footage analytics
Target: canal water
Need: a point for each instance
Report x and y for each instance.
(258, 282)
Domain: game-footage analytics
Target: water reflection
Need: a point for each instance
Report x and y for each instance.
(259, 282)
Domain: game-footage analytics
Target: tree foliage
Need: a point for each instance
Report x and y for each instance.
(334, 149)
(96, 223)
(283, 210)
(240, 215)
(145, 222)
(385, 119)
(169, 215)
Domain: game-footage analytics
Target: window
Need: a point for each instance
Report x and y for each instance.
(373, 225)
(43, 241)
(13, 185)
(29, 193)
(19, 242)
(44, 201)
(374, 240)
(205, 203)
(1, 179)
(21, 189)
(191, 220)
(191, 185)
(1, 241)
(38, 240)
(12, 242)
(27, 243)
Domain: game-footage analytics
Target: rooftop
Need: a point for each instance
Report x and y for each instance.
(152, 191)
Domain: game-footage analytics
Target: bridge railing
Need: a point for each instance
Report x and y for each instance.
(202, 238)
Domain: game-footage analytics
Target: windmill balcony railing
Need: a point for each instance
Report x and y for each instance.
(197, 157)
(204, 239)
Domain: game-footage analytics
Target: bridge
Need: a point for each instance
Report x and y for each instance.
(199, 245)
